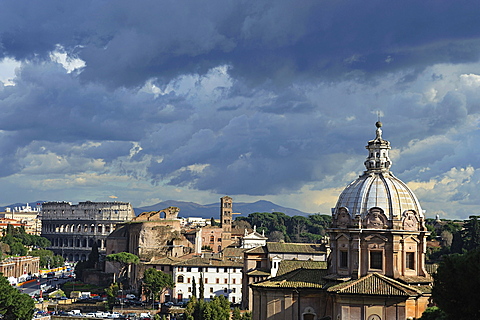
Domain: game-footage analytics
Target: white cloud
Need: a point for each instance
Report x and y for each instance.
(7, 71)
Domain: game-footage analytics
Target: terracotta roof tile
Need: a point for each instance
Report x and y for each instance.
(280, 247)
(259, 249)
(375, 284)
(299, 278)
(209, 262)
(290, 265)
(258, 272)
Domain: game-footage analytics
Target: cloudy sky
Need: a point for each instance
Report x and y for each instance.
(145, 101)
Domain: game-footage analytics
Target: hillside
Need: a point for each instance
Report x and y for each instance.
(191, 209)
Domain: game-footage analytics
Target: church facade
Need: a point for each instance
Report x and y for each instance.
(376, 268)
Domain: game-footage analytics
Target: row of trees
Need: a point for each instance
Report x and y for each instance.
(281, 227)
(15, 241)
(457, 278)
(13, 304)
(216, 309)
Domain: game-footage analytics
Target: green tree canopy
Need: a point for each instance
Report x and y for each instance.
(292, 229)
(456, 284)
(156, 281)
(216, 309)
(125, 259)
(13, 304)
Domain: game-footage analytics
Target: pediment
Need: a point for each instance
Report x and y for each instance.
(376, 236)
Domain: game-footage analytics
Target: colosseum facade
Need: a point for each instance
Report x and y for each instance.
(73, 229)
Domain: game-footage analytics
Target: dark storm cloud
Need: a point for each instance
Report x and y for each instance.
(238, 97)
(126, 43)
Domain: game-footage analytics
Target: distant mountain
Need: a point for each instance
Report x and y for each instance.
(33, 204)
(191, 209)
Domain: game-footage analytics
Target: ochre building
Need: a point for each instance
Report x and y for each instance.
(376, 268)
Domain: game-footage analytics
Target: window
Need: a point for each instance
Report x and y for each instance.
(211, 289)
(234, 280)
(226, 281)
(225, 290)
(225, 270)
(376, 260)
(189, 289)
(180, 279)
(410, 260)
(206, 280)
(200, 269)
(343, 259)
(259, 264)
(233, 290)
(188, 280)
(189, 269)
(217, 280)
(218, 270)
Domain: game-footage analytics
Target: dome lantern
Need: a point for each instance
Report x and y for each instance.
(377, 199)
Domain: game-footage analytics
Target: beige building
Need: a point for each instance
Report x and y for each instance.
(377, 265)
(18, 267)
(26, 216)
(264, 262)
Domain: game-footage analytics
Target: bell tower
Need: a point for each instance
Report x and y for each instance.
(226, 220)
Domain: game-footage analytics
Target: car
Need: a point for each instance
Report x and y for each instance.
(181, 304)
(91, 315)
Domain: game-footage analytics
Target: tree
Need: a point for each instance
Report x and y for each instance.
(157, 282)
(93, 256)
(13, 304)
(213, 223)
(236, 315)
(125, 259)
(241, 224)
(456, 283)
(276, 236)
(194, 287)
(216, 309)
(112, 292)
(433, 313)
(447, 238)
(201, 288)
(471, 233)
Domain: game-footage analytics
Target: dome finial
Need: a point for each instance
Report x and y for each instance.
(378, 124)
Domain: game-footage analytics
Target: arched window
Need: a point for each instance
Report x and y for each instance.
(180, 279)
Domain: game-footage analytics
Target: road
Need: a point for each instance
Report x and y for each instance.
(33, 288)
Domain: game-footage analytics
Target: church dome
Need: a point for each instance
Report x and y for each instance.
(377, 187)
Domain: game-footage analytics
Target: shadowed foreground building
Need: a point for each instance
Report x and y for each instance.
(376, 268)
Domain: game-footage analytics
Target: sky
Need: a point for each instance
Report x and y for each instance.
(147, 101)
